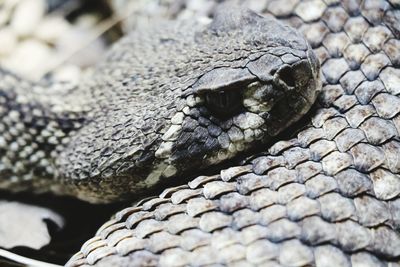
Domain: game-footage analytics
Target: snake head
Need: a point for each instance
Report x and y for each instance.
(262, 77)
(210, 93)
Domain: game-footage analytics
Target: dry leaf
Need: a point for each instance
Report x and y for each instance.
(24, 225)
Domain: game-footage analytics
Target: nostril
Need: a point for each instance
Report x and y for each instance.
(287, 76)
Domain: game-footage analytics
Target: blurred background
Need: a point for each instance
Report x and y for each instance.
(61, 38)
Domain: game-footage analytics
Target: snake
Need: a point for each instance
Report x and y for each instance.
(179, 97)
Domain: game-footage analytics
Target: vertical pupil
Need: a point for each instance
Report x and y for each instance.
(223, 98)
(223, 103)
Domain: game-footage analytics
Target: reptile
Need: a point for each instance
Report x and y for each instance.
(327, 197)
(121, 132)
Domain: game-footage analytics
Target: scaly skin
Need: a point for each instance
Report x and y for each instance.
(328, 197)
(168, 100)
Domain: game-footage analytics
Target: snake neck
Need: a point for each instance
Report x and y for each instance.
(36, 121)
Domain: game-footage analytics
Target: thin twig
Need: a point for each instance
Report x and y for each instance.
(100, 29)
(24, 260)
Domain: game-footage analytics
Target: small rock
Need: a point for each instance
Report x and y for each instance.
(6, 10)
(51, 28)
(30, 59)
(201, 8)
(8, 41)
(27, 16)
(257, 5)
(24, 225)
(87, 21)
(67, 73)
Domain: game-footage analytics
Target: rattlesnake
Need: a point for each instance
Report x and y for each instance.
(327, 197)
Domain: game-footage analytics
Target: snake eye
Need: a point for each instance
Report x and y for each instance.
(223, 102)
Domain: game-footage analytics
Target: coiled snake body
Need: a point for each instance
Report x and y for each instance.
(172, 99)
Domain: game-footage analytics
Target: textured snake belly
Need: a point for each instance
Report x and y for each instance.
(330, 196)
